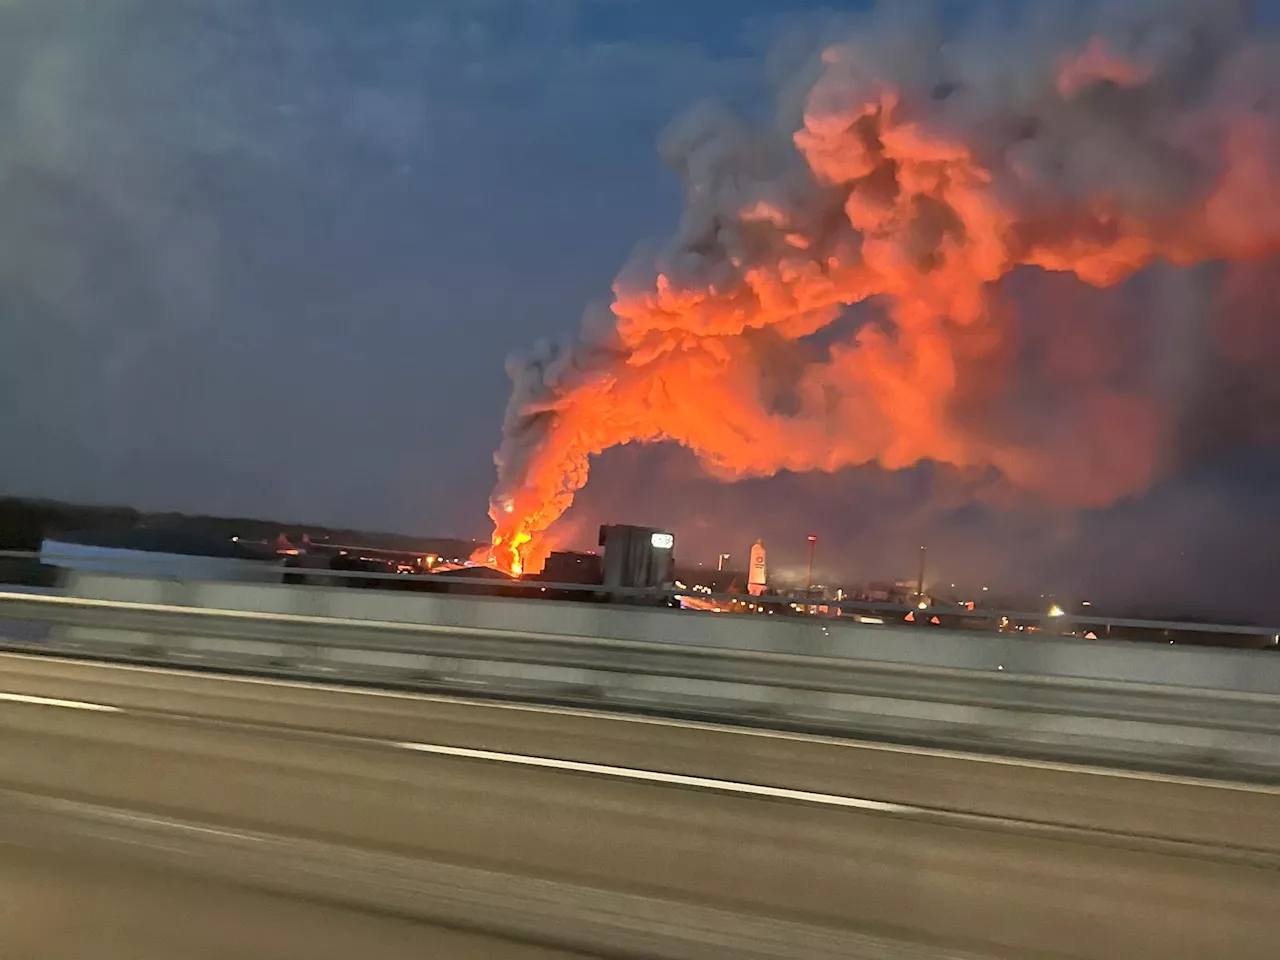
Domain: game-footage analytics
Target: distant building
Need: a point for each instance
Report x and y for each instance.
(463, 580)
(348, 564)
(568, 566)
(161, 553)
(637, 556)
(901, 593)
(756, 572)
(711, 581)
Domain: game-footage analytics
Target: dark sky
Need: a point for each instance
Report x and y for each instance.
(266, 257)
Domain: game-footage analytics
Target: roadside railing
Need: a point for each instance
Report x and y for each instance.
(1229, 727)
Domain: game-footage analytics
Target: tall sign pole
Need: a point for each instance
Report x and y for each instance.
(808, 590)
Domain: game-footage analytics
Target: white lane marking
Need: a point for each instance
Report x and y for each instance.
(847, 743)
(124, 816)
(54, 702)
(671, 779)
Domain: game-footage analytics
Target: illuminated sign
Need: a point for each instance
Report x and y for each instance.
(663, 541)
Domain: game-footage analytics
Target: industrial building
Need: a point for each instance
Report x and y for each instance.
(571, 566)
(637, 557)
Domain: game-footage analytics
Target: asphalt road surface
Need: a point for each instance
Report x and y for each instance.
(55, 907)
(154, 814)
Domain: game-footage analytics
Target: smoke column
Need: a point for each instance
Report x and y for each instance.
(829, 297)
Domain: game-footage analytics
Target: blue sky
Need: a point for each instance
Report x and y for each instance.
(267, 257)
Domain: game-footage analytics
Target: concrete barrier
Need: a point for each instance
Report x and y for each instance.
(1242, 671)
(1042, 697)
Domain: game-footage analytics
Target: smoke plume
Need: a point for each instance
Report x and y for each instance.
(843, 285)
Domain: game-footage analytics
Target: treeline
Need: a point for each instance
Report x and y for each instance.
(25, 523)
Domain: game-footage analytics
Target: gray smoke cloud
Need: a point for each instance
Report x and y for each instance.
(921, 170)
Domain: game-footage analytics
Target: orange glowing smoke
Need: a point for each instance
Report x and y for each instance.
(1097, 64)
(914, 194)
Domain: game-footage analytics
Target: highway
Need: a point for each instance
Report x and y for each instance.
(157, 814)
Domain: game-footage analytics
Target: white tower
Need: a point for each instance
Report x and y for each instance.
(756, 574)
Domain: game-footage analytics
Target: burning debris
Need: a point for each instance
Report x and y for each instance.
(908, 171)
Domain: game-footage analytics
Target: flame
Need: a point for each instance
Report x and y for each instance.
(884, 196)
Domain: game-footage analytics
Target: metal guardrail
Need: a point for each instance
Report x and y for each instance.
(1045, 715)
(1075, 622)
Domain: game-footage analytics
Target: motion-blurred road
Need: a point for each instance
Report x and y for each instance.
(150, 814)
(55, 907)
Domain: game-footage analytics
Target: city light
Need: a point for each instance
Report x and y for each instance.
(1056, 611)
(662, 541)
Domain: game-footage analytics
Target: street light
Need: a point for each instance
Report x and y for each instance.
(808, 590)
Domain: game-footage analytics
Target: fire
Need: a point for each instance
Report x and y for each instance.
(916, 198)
